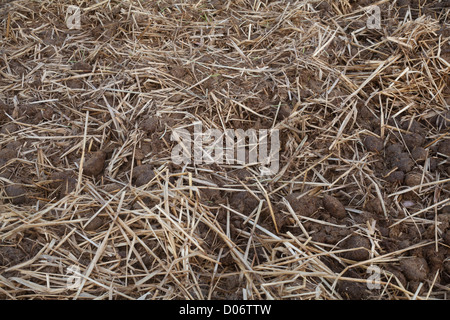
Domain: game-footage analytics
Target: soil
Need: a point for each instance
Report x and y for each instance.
(363, 120)
(95, 163)
(16, 194)
(142, 174)
(444, 147)
(353, 290)
(415, 268)
(243, 202)
(361, 246)
(413, 179)
(396, 177)
(150, 125)
(63, 183)
(334, 207)
(373, 144)
(374, 206)
(95, 224)
(81, 67)
(419, 154)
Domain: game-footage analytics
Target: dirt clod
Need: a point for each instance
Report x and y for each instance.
(82, 67)
(374, 206)
(94, 164)
(284, 112)
(419, 154)
(142, 174)
(243, 202)
(446, 237)
(401, 161)
(303, 205)
(373, 144)
(64, 182)
(352, 290)
(139, 154)
(210, 195)
(444, 147)
(4, 109)
(447, 266)
(16, 194)
(413, 179)
(7, 154)
(396, 177)
(95, 224)
(394, 149)
(178, 72)
(9, 128)
(413, 140)
(357, 241)
(397, 274)
(69, 184)
(10, 256)
(415, 268)
(150, 125)
(334, 207)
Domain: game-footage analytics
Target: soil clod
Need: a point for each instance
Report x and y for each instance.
(16, 194)
(334, 207)
(413, 179)
(373, 144)
(357, 241)
(95, 224)
(415, 268)
(303, 205)
(419, 154)
(94, 164)
(353, 120)
(142, 174)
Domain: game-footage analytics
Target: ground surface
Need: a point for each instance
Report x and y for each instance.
(358, 209)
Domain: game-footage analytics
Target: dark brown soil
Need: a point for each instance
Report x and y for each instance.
(303, 205)
(150, 125)
(400, 161)
(62, 183)
(81, 66)
(413, 179)
(361, 246)
(353, 290)
(10, 256)
(373, 144)
(396, 177)
(94, 164)
(374, 206)
(243, 202)
(95, 224)
(16, 194)
(444, 147)
(419, 154)
(142, 174)
(354, 150)
(7, 154)
(334, 207)
(415, 268)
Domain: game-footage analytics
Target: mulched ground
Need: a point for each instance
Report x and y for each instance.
(87, 179)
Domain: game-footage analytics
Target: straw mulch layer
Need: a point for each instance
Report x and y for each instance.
(358, 209)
